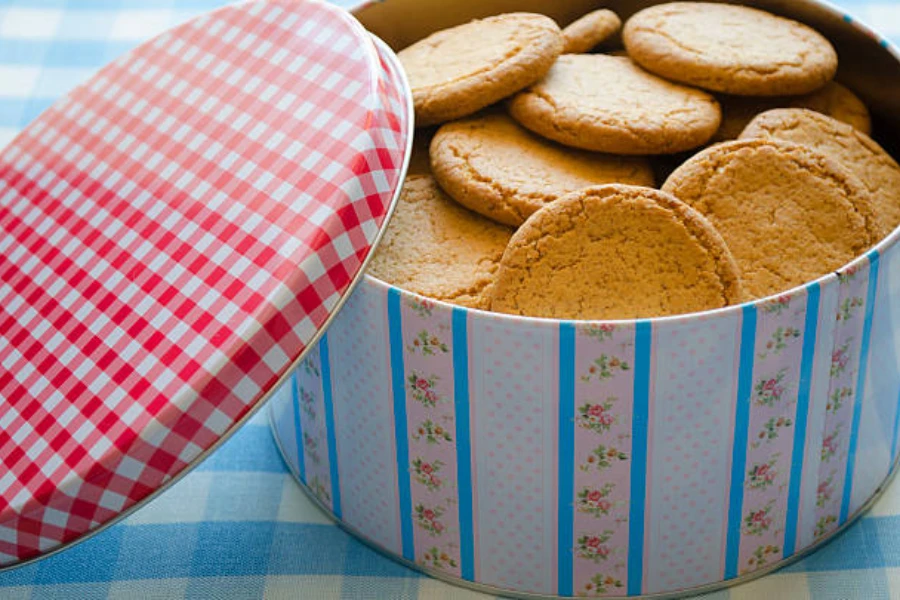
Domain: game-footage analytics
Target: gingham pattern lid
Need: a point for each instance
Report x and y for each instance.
(173, 234)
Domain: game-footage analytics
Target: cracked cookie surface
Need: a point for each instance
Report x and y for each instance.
(833, 100)
(458, 71)
(615, 252)
(730, 49)
(495, 167)
(590, 31)
(436, 248)
(609, 104)
(788, 214)
(855, 150)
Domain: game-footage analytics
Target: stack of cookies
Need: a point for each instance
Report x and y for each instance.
(533, 184)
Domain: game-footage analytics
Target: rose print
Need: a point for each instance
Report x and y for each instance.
(848, 308)
(438, 559)
(602, 458)
(761, 556)
(422, 389)
(759, 521)
(421, 306)
(599, 332)
(310, 366)
(770, 391)
(840, 358)
(427, 473)
(770, 430)
(427, 519)
(596, 417)
(848, 275)
(427, 344)
(779, 341)
(763, 475)
(600, 584)
(830, 444)
(595, 502)
(318, 488)
(310, 448)
(778, 306)
(593, 547)
(825, 491)
(605, 367)
(837, 399)
(308, 404)
(822, 525)
(431, 433)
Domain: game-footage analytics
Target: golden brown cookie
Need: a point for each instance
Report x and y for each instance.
(615, 252)
(855, 150)
(788, 214)
(456, 72)
(730, 49)
(609, 104)
(436, 248)
(495, 167)
(590, 31)
(833, 100)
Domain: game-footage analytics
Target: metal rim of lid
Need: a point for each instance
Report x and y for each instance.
(391, 77)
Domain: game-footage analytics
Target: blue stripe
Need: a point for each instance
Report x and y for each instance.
(329, 426)
(566, 483)
(640, 423)
(860, 384)
(806, 365)
(398, 382)
(739, 451)
(298, 428)
(463, 443)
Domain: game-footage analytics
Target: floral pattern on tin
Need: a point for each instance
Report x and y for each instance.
(604, 367)
(759, 521)
(597, 417)
(431, 423)
(428, 344)
(602, 430)
(603, 457)
(773, 408)
(601, 584)
(438, 559)
(848, 323)
(427, 473)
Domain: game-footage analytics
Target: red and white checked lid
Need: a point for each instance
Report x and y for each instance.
(173, 235)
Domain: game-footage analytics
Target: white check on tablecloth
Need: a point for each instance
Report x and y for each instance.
(238, 526)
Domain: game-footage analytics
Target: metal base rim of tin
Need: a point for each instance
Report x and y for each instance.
(496, 591)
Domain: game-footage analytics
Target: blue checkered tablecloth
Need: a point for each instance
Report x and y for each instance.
(238, 526)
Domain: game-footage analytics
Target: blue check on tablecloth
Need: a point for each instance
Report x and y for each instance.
(238, 526)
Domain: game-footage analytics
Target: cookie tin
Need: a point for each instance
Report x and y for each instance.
(174, 236)
(648, 458)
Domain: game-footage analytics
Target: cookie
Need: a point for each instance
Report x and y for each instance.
(833, 100)
(845, 144)
(495, 167)
(457, 72)
(436, 248)
(615, 252)
(590, 31)
(788, 214)
(730, 49)
(609, 104)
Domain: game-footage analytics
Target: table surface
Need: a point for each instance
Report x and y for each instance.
(239, 526)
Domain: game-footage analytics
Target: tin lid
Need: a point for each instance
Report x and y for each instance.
(173, 235)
